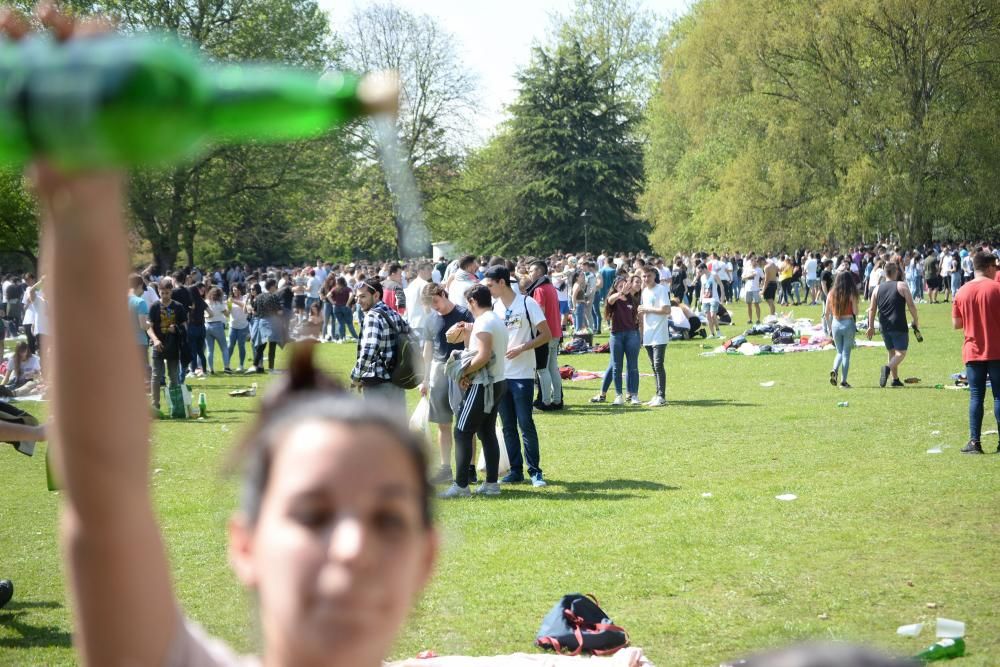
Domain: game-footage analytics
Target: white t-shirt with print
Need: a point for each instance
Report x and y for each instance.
(490, 323)
(753, 281)
(655, 328)
(521, 367)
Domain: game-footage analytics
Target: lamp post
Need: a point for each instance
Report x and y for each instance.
(584, 216)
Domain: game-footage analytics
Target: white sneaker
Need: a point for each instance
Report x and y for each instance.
(239, 369)
(456, 491)
(488, 489)
(250, 371)
(619, 400)
(634, 400)
(656, 402)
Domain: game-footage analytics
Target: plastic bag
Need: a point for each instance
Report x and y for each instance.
(420, 419)
(504, 466)
(180, 401)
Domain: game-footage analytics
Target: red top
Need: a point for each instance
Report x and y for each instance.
(547, 297)
(978, 305)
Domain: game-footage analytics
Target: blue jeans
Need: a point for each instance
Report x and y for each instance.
(196, 343)
(216, 333)
(329, 320)
(623, 344)
(977, 372)
(344, 323)
(844, 331)
(581, 316)
(595, 315)
(239, 337)
(515, 411)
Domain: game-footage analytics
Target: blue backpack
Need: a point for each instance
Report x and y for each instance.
(578, 624)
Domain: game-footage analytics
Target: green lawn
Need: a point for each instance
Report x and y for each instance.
(879, 530)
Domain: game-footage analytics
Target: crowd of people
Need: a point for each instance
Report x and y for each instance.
(334, 533)
(533, 304)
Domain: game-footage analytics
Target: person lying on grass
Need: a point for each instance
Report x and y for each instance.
(334, 533)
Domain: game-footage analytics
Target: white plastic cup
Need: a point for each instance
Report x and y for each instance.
(911, 630)
(946, 627)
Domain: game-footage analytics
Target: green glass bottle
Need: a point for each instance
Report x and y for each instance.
(50, 473)
(143, 100)
(944, 649)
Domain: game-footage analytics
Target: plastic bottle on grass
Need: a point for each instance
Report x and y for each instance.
(945, 649)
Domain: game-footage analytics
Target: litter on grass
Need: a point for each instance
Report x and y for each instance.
(934, 450)
(769, 383)
(935, 432)
(911, 630)
(947, 627)
(787, 496)
(706, 495)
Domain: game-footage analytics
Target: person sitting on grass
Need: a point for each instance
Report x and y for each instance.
(334, 533)
(23, 367)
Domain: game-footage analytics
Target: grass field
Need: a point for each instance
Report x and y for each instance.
(879, 530)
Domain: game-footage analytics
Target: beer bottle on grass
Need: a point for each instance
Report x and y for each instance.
(116, 100)
(944, 649)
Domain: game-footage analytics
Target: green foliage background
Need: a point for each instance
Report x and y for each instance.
(743, 124)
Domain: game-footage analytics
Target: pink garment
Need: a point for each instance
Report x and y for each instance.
(627, 657)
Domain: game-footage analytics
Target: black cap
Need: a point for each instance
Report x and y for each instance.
(498, 273)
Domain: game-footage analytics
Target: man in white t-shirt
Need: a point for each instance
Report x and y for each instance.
(654, 306)
(417, 311)
(461, 279)
(811, 268)
(527, 329)
(753, 278)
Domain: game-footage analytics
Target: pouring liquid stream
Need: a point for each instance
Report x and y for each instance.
(411, 232)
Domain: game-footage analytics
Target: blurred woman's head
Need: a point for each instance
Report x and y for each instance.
(215, 294)
(334, 532)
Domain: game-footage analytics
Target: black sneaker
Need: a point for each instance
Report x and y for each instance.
(556, 406)
(884, 376)
(512, 478)
(844, 385)
(473, 477)
(442, 476)
(6, 591)
(833, 378)
(898, 383)
(973, 447)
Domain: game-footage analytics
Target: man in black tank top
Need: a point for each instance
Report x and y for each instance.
(891, 299)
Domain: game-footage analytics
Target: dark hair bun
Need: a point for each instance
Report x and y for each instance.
(303, 376)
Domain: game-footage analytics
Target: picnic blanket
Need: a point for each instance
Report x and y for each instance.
(627, 657)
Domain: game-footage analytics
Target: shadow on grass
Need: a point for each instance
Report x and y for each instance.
(609, 489)
(32, 636)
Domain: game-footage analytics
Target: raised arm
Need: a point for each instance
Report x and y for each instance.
(124, 606)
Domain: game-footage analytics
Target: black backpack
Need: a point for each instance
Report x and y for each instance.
(408, 366)
(578, 624)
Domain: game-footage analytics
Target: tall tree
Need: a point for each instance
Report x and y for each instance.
(575, 142)
(18, 218)
(624, 36)
(436, 104)
(171, 206)
(784, 123)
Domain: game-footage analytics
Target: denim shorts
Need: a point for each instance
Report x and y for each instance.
(752, 296)
(896, 340)
(710, 307)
